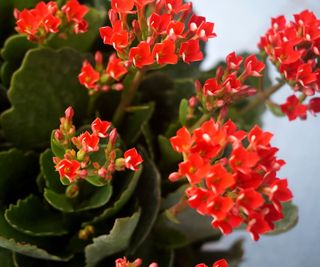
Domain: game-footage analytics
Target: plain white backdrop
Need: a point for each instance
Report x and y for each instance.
(239, 24)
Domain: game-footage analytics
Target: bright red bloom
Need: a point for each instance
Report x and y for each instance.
(177, 6)
(253, 66)
(159, 23)
(68, 168)
(75, 13)
(249, 200)
(293, 108)
(175, 30)
(142, 3)
(190, 51)
(89, 142)
(219, 207)
(219, 263)
(122, 6)
(257, 225)
(233, 61)
(305, 76)
(197, 199)
(219, 179)
(115, 67)
(205, 31)
(165, 52)
(141, 55)
(88, 76)
(211, 87)
(100, 127)
(182, 141)
(115, 36)
(314, 105)
(195, 168)
(280, 191)
(243, 160)
(123, 262)
(132, 159)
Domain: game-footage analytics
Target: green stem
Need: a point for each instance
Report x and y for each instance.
(261, 97)
(127, 98)
(201, 120)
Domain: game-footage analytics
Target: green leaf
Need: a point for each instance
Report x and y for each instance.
(97, 198)
(13, 51)
(6, 258)
(121, 199)
(32, 217)
(135, 122)
(57, 149)
(17, 175)
(117, 240)
(82, 41)
(51, 176)
(168, 155)
(148, 194)
(23, 244)
(183, 111)
(40, 91)
(290, 212)
(275, 109)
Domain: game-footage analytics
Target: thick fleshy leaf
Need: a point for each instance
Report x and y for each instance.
(6, 258)
(117, 240)
(168, 156)
(291, 216)
(13, 51)
(119, 200)
(26, 245)
(135, 122)
(40, 91)
(183, 111)
(57, 149)
(90, 197)
(51, 176)
(148, 193)
(32, 217)
(17, 175)
(82, 41)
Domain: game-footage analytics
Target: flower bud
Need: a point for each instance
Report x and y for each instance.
(72, 191)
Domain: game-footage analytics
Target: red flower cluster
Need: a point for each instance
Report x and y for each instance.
(123, 262)
(232, 176)
(100, 78)
(46, 18)
(80, 159)
(228, 85)
(161, 33)
(294, 48)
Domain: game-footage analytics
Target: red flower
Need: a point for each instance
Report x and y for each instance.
(190, 51)
(165, 52)
(182, 141)
(280, 191)
(68, 168)
(211, 87)
(159, 23)
(175, 30)
(249, 200)
(177, 6)
(88, 76)
(233, 61)
(142, 3)
(219, 263)
(219, 207)
(243, 160)
(75, 13)
(122, 6)
(253, 66)
(305, 75)
(293, 108)
(89, 142)
(314, 105)
(257, 225)
(141, 55)
(115, 67)
(219, 179)
(100, 127)
(132, 159)
(115, 36)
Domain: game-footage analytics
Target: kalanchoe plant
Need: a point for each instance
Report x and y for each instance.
(152, 157)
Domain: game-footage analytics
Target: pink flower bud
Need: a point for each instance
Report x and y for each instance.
(98, 58)
(69, 113)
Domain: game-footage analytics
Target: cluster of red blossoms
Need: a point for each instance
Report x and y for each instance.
(228, 84)
(99, 78)
(46, 18)
(159, 32)
(123, 262)
(90, 154)
(232, 176)
(294, 48)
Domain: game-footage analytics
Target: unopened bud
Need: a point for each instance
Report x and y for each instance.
(58, 135)
(102, 172)
(72, 191)
(98, 58)
(117, 86)
(113, 137)
(120, 164)
(193, 101)
(85, 233)
(198, 86)
(69, 113)
(80, 155)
